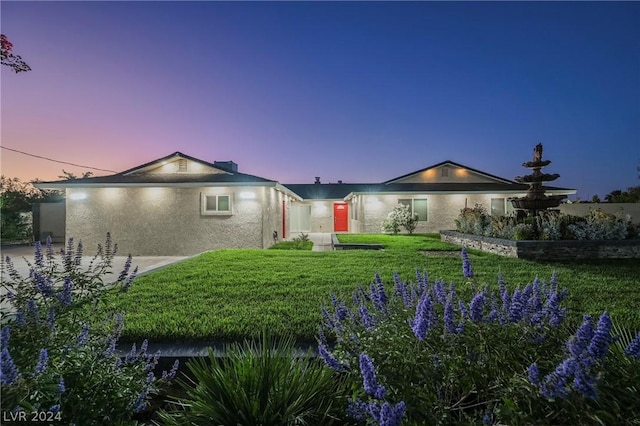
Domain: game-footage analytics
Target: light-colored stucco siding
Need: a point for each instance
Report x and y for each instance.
(453, 175)
(164, 220)
(322, 215)
(442, 209)
(272, 209)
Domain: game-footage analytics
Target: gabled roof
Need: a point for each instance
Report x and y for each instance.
(341, 191)
(450, 163)
(134, 177)
(176, 154)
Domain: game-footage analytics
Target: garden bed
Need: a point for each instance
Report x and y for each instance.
(337, 245)
(547, 250)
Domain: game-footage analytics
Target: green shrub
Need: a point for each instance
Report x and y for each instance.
(59, 340)
(549, 225)
(423, 355)
(292, 245)
(599, 225)
(265, 383)
(473, 220)
(524, 231)
(546, 225)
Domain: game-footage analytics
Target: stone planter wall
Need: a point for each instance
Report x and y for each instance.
(547, 250)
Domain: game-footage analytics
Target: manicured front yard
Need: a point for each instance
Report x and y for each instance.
(231, 294)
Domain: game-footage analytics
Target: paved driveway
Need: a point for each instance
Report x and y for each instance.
(144, 263)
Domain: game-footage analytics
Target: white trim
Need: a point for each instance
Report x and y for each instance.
(203, 205)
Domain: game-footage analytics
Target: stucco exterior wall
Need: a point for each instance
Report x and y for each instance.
(164, 220)
(272, 210)
(321, 215)
(442, 209)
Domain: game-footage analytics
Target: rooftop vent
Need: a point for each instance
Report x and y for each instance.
(227, 165)
(317, 180)
(339, 182)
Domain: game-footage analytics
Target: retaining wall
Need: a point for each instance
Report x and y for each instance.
(547, 250)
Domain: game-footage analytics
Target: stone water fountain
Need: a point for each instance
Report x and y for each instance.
(535, 200)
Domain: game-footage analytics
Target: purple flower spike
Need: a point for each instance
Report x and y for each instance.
(37, 255)
(8, 371)
(599, 345)
(5, 336)
(172, 373)
(329, 359)
(580, 341)
(390, 415)
(534, 374)
(366, 318)
(65, 297)
(369, 380)
(43, 359)
(475, 307)
(467, 270)
(422, 322)
(633, 350)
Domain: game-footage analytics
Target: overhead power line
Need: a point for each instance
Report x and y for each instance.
(56, 161)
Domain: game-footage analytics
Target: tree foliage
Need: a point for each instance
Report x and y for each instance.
(631, 195)
(13, 61)
(16, 200)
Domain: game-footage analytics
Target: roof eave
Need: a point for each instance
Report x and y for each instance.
(61, 185)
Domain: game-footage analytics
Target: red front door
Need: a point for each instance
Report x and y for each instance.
(340, 217)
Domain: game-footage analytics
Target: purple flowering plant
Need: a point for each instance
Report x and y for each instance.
(422, 354)
(59, 339)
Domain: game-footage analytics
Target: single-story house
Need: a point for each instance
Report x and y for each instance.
(181, 205)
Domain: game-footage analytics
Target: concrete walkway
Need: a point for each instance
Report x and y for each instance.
(144, 263)
(321, 241)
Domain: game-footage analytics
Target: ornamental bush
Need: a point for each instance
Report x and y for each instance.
(266, 383)
(400, 217)
(59, 341)
(417, 353)
(547, 225)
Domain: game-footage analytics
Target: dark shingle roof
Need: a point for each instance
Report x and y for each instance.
(334, 191)
(129, 177)
(330, 191)
(166, 179)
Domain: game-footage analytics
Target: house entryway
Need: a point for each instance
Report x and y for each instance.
(340, 217)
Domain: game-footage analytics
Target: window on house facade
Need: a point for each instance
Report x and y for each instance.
(216, 204)
(182, 165)
(498, 206)
(417, 205)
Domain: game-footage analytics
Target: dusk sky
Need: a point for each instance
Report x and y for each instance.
(356, 91)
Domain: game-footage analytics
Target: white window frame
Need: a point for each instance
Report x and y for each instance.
(206, 212)
(412, 205)
(503, 201)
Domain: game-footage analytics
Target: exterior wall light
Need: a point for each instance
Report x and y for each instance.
(247, 195)
(77, 196)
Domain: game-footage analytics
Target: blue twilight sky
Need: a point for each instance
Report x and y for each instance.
(357, 91)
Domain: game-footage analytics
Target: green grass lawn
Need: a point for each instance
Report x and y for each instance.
(231, 294)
